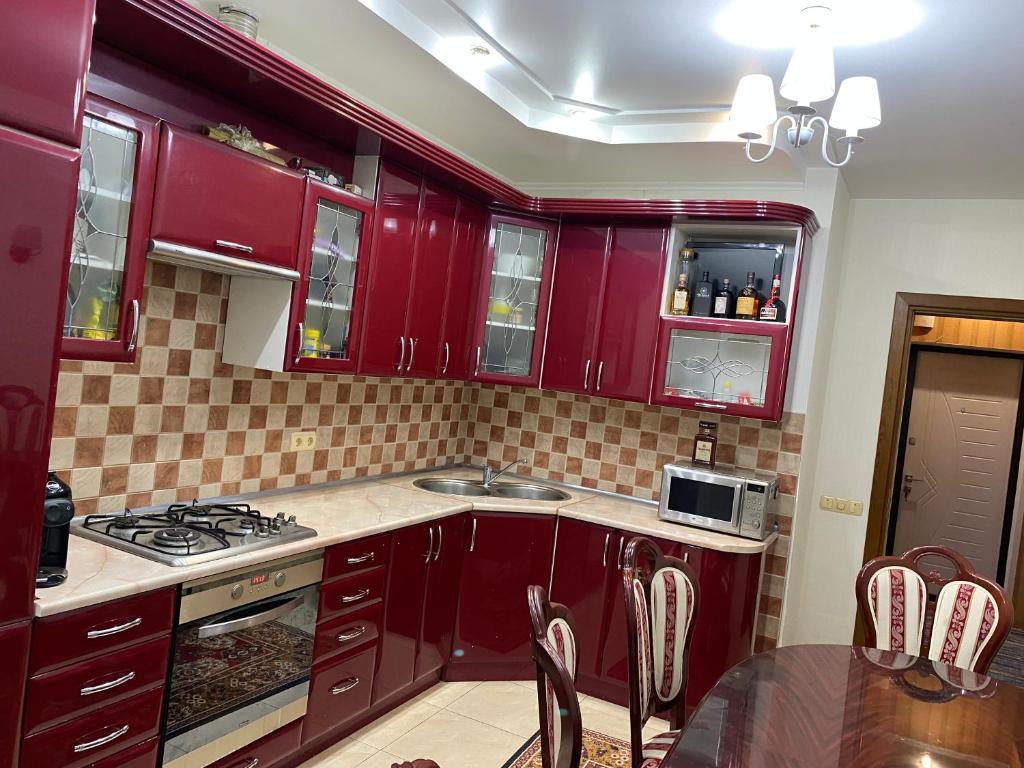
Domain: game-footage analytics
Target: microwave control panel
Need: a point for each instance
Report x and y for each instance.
(754, 514)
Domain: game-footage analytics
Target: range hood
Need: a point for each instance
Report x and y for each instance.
(186, 256)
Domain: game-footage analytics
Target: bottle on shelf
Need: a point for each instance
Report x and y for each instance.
(681, 297)
(687, 259)
(774, 310)
(748, 302)
(702, 302)
(723, 300)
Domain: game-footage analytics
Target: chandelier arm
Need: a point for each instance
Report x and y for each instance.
(824, 144)
(772, 145)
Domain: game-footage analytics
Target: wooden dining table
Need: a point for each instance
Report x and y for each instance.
(833, 706)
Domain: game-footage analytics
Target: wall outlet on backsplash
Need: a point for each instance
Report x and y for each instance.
(303, 441)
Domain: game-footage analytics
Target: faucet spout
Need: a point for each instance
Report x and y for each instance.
(490, 475)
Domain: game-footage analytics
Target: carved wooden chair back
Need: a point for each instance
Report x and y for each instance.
(554, 651)
(969, 620)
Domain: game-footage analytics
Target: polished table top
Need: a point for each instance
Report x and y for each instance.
(837, 706)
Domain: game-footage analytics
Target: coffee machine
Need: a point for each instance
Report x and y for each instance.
(58, 509)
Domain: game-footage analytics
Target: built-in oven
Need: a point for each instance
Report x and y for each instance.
(243, 649)
(733, 501)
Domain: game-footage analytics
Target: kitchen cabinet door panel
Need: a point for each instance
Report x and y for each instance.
(569, 363)
(14, 645)
(273, 748)
(339, 692)
(442, 598)
(142, 755)
(385, 346)
(460, 296)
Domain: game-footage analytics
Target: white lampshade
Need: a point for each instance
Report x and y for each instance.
(753, 106)
(857, 105)
(811, 74)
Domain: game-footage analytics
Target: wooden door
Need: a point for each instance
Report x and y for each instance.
(454, 360)
(958, 452)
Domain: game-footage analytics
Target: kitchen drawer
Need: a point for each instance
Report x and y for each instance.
(351, 592)
(356, 555)
(142, 755)
(101, 628)
(348, 631)
(339, 692)
(94, 736)
(90, 684)
(270, 749)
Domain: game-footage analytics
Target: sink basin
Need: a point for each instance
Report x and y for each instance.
(532, 492)
(455, 487)
(499, 490)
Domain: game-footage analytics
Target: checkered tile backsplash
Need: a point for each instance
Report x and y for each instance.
(179, 424)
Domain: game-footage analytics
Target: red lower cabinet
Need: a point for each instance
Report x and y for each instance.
(345, 632)
(339, 692)
(142, 755)
(14, 645)
(442, 599)
(505, 554)
(269, 750)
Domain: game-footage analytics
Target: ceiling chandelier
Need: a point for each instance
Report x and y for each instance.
(810, 77)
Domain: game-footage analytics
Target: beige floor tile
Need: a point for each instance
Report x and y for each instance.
(398, 722)
(455, 741)
(348, 753)
(443, 694)
(382, 759)
(508, 706)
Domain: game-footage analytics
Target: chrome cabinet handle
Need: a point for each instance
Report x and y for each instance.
(476, 372)
(586, 375)
(604, 557)
(347, 685)
(133, 339)
(364, 558)
(440, 541)
(85, 746)
(720, 406)
(412, 353)
(298, 348)
(401, 359)
(234, 246)
(430, 546)
(622, 542)
(686, 557)
(356, 597)
(472, 537)
(253, 762)
(444, 368)
(89, 690)
(600, 372)
(94, 634)
(344, 637)
(246, 622)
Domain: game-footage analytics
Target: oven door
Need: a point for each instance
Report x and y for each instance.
(702, 499)
(238, 675)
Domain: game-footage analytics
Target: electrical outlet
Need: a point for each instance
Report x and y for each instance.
(856, 508)
(827, 502)
(842, 505)
(303, 441)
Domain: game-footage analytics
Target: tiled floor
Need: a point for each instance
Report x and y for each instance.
(464, 725)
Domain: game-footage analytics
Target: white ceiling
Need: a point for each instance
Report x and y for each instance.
(952, 99)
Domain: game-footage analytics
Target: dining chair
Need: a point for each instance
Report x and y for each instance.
(416, 764)
(662, 599)
(971, 617)
(554, 651)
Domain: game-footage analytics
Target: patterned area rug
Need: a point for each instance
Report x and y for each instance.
(599, 751)
(1008, 665)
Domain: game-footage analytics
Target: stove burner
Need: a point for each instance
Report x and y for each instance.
(176, 537)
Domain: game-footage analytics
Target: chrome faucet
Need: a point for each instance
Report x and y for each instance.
(490, 475)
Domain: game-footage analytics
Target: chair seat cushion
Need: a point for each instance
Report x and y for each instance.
(656, 749)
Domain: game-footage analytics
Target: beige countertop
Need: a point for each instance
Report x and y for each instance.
(98, 573)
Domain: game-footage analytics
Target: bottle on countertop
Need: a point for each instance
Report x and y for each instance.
(749, 301)
(702, 301)
(724, 300)
(774, 310)
(681, 297)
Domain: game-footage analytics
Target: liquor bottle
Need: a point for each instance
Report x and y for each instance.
(723, 300)
(681, 297)
(748, 302)
(687, 263)
(774, 310)
(703, 300)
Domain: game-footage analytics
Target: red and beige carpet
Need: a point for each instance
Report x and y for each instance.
(599, 751)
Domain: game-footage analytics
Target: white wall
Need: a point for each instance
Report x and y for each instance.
(962, 247)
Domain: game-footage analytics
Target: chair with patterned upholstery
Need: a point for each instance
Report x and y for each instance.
(969, 622)
(554, 650)
(662, 598)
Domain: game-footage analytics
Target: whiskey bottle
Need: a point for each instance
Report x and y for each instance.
(681, 297)
(703, 300)
(748, 302)
(723, 300)
(774, 310)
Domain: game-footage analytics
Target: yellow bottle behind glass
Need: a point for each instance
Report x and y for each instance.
(681, 297)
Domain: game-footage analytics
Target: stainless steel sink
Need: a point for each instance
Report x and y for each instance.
(450, 486)
(499, 490)
(532, 492)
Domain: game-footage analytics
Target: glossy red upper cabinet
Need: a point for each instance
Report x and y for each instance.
(454, 361)
(37, 208)
(225, 202)
(576, 299)
(14, 645)
(512, 308)
(111, 234)
(44, 58)
(327, 302)
(442, 600)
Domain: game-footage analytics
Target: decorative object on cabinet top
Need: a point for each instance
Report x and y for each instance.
(240, 137)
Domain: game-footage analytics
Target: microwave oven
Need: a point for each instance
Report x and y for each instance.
(735, 501)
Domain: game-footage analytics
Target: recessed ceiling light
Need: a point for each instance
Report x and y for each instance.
(466, 55)
(479, 50)
(777, 24)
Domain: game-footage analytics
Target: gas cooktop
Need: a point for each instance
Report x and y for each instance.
(186, 534)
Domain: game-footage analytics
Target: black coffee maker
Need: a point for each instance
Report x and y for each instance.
(58, 509)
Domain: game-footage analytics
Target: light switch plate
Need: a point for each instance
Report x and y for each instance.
(856, 508)
(827, 502)
(303, 441)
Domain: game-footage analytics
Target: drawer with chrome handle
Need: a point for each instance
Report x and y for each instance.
(351, 592)
(276, 746)
(339, 692)
(345, 686)
(356, 555)
(351, 630)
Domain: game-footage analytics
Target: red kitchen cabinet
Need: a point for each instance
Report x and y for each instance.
(339, 692)
(37, 203)
(14, 645)
(111, 233)
(142, 755)
(442, 598)
(273, 748)
(512, 309)
(44, 58)
(225, 202)
(504, 554)
(461, 292)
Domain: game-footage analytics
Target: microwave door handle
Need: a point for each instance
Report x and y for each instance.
(245, 622)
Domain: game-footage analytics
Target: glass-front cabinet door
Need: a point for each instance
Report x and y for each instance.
(328, 299)
(111, 229)
(514, 300)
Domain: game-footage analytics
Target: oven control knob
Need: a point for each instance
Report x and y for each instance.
(279, 578)
(236, 591)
